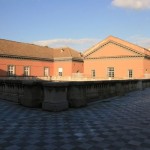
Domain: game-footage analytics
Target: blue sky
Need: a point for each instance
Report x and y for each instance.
(76, 23)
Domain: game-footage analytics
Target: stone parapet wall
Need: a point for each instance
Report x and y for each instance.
(11, 90)
(58, 96)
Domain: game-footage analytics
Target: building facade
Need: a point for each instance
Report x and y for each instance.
(68, 64)
(32, 61)
(111, 58)
(114, 58)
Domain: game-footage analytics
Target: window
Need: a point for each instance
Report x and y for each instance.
(46, 71)
(111, 72)
(60, 71)
(11, 70)
(93, 73)
(130, 73)
(26, 71)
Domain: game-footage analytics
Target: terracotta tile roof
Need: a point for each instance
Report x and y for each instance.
(66, 52)
(138, 49)
(24, 50)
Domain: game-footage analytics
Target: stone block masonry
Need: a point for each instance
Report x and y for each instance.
(59, 96)
(55, 96)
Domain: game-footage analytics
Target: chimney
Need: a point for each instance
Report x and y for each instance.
(62, 50)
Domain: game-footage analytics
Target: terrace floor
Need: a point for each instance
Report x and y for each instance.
(120, 123)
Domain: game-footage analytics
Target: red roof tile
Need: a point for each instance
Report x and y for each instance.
(12, 48)
(25, 50)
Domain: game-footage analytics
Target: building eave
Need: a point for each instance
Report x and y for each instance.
(113, 42)
(114, 57)
(68, 59)
(25, 57)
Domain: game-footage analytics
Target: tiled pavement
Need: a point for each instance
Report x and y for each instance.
(121, 123)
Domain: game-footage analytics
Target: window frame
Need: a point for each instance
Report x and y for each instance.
(46, 73)
(110, 72)
(60, 72)
(11, 70)
(93, 73)
(130, 73)
(26, 71)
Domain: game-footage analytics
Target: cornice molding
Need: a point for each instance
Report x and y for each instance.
(24, 57)
(115, 57)
(42, 59)
(68, 59)
(118, 44)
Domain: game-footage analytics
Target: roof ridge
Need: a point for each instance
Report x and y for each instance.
(114, 39)
(70, 52)
(21, 49)
(129, 42)
(133, 44)
(32, 44)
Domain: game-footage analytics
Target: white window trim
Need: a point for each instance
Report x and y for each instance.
(11, 70)
(26, 70)
(93, 73)
(110, 72)
(46, 71)
(60, 72)
(130, 74)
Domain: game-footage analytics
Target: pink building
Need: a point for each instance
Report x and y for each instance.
(111, 58)
(114, 58)
(29, 60)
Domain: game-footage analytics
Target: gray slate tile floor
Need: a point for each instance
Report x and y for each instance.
(120, 123)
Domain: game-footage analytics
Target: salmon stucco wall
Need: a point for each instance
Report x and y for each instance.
(36, 67)
(66, 68)
(119, 56)
(110, 50)
(121, 67)
(77, 67)
(147, 67)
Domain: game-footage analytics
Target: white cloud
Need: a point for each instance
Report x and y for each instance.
(83, 44)
(132, 4)
(78, 44)
(141, 41)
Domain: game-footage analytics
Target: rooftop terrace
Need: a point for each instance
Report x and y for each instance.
(120, 123)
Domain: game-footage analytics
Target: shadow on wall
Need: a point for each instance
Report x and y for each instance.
(3, 73)
(58, 96)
